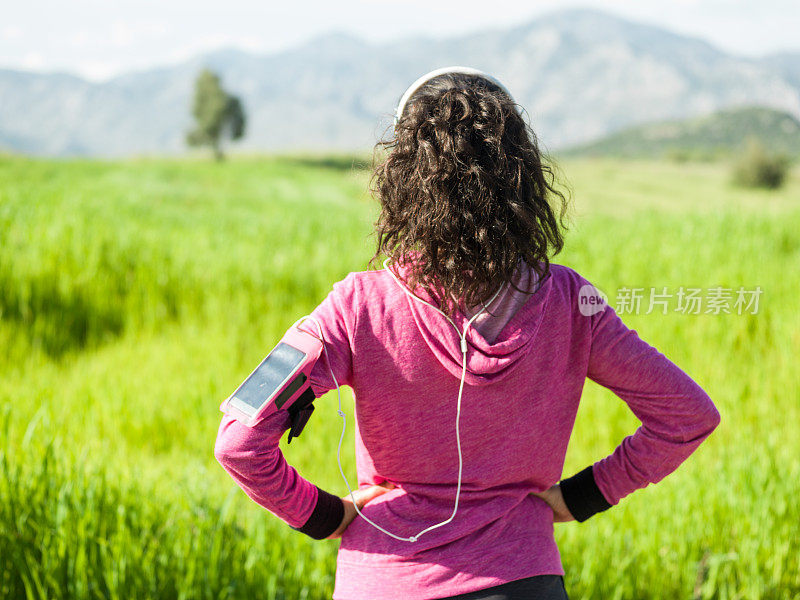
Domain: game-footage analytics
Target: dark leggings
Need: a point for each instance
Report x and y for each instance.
(538, 587)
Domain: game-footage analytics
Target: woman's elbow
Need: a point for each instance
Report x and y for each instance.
(242, 449)
(225, 451)
(698, 423)
(222, 452)
(230, 446)
(709, 419)
(714, 418)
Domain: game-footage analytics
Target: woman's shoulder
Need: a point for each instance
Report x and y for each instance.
(362, 286)
(369, 278)
(573, 289)
(567, 277)
(375, 290)
(365, 277)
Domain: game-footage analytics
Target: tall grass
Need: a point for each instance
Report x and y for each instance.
(135, 296)
(70, 529)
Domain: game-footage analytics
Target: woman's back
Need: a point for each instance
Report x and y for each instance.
(403, 361)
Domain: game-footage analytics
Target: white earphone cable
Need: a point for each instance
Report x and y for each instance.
(463, 345)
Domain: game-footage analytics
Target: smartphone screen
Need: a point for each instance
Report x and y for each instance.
(270, 376)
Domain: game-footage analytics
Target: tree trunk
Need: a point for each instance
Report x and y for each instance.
(218, 155)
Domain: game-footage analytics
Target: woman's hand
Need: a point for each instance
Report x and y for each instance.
(362, 496)
(555, 500)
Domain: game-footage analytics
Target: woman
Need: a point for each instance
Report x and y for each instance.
(468, 326)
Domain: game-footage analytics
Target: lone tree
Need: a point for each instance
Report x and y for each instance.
(217, 114)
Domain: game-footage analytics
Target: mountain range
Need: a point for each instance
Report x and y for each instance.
(723, 133)
(580, 74)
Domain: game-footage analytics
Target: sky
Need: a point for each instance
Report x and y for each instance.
(98, 39)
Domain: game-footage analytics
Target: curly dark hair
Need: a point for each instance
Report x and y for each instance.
(464, 192)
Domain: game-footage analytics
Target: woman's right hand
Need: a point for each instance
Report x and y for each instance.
(555, 500)
(362, 496)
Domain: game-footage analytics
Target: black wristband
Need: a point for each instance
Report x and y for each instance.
(582, 496)
(326, 517)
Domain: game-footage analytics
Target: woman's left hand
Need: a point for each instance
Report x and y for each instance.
(555, 500)
(362, 496)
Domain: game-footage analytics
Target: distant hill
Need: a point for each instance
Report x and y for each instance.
(721, 133)
(580, 74)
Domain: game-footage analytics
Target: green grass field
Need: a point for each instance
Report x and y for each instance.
(136, 295)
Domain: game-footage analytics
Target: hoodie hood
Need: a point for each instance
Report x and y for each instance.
(486, 362)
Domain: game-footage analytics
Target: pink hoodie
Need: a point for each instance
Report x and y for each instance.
(521, 394)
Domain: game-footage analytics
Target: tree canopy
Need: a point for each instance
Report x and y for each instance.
(217, 114)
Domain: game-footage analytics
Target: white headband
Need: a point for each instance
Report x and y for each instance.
(454, 69)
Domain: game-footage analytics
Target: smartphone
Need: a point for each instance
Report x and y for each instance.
(279, 380)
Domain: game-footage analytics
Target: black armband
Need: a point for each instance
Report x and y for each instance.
(300, 412)
(326, 517)
(582, 496)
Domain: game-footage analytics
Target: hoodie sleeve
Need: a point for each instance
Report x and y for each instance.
(337, 316)
(676, 415)
(252, 456)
